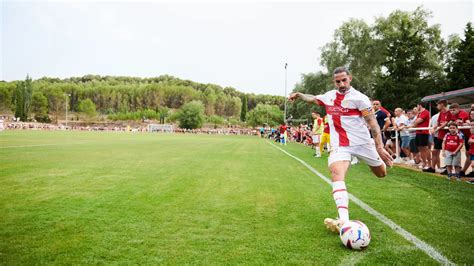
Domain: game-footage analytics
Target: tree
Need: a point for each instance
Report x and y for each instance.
(215, 120)
(87, 106)
(23, 95)
(311, 83)
(243, 111)
(265, 114)
(191, 115)
(413, 52)
(356, 47)
(39, 104)
(209, 100)
(461, 68)
(7, 90)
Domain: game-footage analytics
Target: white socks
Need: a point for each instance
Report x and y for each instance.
(317, 150)
(341, 197)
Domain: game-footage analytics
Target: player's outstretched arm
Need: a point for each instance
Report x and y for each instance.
(309, 98)
(377, 135)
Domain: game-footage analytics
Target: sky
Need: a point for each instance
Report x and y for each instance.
(244, 45)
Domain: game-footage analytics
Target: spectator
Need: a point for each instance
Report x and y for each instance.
(401, 122)
(382, 118)
(435, 152)
(422, 135)
(461, 118)
(283, 137)
(471, 147)
(415, 154)
(452, 145)
(444, 117)
(262, 132)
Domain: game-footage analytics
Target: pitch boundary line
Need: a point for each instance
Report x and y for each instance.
(420, 244)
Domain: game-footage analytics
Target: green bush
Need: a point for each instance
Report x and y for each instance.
(42, 118)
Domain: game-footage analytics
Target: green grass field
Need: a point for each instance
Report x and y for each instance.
(98, 197)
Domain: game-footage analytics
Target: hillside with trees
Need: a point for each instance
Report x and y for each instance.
(118, 98)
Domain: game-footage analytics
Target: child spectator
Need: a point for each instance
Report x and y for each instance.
(452, 144)
(471, 143)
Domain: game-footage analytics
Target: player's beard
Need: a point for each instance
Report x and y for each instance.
(342, 90)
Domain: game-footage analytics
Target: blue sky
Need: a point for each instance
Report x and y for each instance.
(243, 45)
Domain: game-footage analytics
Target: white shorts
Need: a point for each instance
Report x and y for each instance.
(316, 138)
(366, 153)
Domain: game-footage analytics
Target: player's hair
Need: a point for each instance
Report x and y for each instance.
(341, 69)
(443, 102)
(454, 105)
(398, 109)
(452, 123)
(424, 105)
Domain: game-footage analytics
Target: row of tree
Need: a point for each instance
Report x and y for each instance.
(398, 60)
(126, 98)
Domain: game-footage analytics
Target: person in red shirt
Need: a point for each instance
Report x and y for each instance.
(443, 118)
(283, 136)
(422, 136)
(471, 149)
(452, 145)
(461, 118)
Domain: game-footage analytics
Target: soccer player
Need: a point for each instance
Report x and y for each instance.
(318, 127)
(349, 112)
(325, 136)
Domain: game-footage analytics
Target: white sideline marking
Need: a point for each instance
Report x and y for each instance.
(40, 145)
(425, 247)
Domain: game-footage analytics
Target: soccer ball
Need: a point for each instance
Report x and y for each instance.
(355, 234)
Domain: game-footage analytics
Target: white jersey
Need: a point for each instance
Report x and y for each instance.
(347, 126)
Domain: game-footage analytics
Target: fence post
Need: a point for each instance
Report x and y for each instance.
(397, 148)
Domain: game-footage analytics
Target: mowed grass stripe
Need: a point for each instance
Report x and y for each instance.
(146, 198)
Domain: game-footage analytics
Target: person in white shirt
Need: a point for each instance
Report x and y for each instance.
(349, 112)
(401, 121)
(435, 152)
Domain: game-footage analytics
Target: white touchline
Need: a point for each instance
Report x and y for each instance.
(433, 253)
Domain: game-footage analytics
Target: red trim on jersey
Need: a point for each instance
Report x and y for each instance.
(337, 190)
(343, 139)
